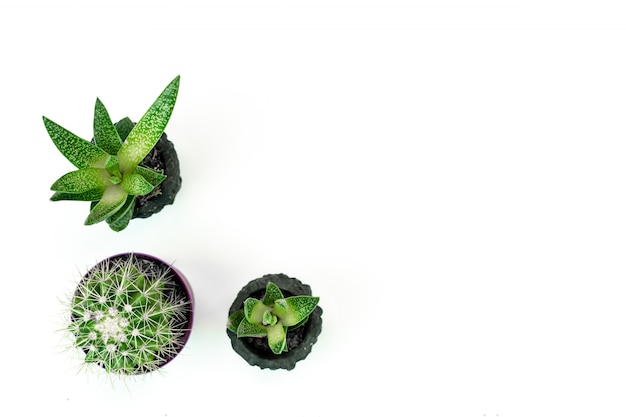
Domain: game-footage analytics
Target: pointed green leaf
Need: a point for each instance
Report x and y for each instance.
(91, 195)
(120, 224)
(82, 180)
(120, 219)
(124, 127)
(81, 153)
(253, 310)
(276, 338)
(104, 133)
(149, 129)
(272, 293)
(234, 320)
(112, 165)
(302, 323)
(280, 308)
(247, 329)
(113, 199)
(135, 184)
(293, 310)
(113, 168)
(153, 177)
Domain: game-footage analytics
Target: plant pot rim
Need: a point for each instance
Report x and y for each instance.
(313, 326)
(179, 280)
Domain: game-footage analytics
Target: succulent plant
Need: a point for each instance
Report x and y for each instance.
(109, 171)
(272, 316)
(129, 315)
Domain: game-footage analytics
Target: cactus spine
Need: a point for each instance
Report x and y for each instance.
(128, 315)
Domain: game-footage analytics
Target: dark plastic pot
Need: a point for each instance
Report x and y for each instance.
(299, 341)
(179, 289)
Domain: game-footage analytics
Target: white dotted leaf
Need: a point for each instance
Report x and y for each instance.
(104, 132)
(146, 133)
(112, 200)
(81, 153)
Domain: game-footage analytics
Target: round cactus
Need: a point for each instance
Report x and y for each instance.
(131, 314)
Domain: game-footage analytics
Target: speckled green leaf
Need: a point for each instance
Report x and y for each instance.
(82, 180)
(253, 310)
(104, 133)
(120, 219)
(234, 320)
(302, 323)
(124, 127)
(276, 338)
(293, 310)
(91, 195)
(113, 199)
(153, 177)
(272, 293)
(135, 184)
(149, 129)
(247, 329)
(81, 153)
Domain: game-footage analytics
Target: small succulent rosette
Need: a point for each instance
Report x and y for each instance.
(131, 314)
(125, 165)
(274, 322)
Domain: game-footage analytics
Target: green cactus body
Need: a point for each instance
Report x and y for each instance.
(128, 316)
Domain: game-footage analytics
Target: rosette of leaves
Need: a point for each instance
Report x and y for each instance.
(109, 172)
(272, 316)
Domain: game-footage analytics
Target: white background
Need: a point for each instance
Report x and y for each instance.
(448, 176)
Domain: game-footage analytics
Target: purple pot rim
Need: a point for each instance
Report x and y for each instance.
(180, 280)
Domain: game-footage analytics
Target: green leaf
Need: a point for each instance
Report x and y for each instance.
(82, 180)
(135, 184)
(146, 133)
(293, 310)
(153, 177)
(302, 323)
(113, 199)
(91, 195)
(112, 165)
(124, 127)
(253, 310)
(104, 133)
(247, 329)
(268, 318)
(277, 338)
(272, 293)
(121, 218)
(234, 320)
(81, 153)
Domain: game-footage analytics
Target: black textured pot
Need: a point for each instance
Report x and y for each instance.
(177, 292)
(299, 341)
(162, 158)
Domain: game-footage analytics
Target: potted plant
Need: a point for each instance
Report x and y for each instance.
(128, 170)
(274, 321)
(131, 314)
